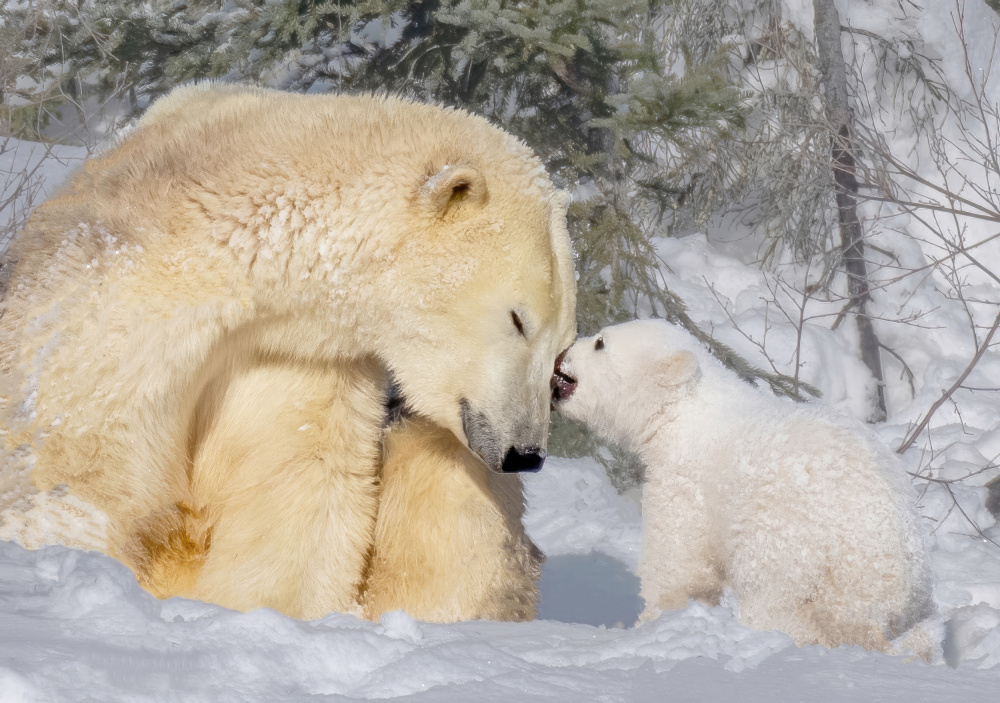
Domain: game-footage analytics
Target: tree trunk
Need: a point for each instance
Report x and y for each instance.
(834, 75)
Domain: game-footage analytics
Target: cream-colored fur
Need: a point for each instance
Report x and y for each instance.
(449, 543)
(803, 513)
(242, 252)
(284, 488)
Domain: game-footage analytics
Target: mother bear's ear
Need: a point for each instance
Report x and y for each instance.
(451, 189)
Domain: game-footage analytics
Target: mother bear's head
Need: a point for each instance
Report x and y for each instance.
(425, 236)
(484, 301)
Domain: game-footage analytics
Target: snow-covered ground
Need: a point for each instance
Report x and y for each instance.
(75, 626)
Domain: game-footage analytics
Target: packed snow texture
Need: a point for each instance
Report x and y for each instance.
(75, 626)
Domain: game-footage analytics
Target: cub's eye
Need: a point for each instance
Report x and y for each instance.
(599, 344)
(517, 323)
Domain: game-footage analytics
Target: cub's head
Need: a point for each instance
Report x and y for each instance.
(620, 380)
(483, 301)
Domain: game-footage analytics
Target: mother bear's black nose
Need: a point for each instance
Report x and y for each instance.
(525, 459)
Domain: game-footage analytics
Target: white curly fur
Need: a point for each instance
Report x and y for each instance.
(803, 513)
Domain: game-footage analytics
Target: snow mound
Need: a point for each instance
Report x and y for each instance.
(70, 616)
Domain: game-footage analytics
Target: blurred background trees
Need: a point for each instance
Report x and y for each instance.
(663, 118)
(586, 84)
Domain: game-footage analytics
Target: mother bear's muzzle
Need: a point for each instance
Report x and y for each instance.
(499, 455)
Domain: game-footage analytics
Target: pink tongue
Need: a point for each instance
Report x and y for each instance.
(565, 388)
(562, 385)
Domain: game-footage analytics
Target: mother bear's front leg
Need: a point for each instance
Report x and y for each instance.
(284, 491)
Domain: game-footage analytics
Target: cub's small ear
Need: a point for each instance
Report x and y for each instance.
(677, 369)
(452, 187)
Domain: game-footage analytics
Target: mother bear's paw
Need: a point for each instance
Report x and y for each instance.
(168, 548)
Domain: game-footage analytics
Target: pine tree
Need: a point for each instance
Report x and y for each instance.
(838, 113)
(29, 83)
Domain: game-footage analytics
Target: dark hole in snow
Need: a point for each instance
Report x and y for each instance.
(993, 497)
(591, 589)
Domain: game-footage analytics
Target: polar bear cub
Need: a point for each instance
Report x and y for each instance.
(803, 513)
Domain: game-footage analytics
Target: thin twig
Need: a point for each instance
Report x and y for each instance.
(911, 438)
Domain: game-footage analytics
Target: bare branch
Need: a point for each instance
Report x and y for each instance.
(915, 432)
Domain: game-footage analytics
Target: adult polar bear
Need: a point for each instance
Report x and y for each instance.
(199, 331)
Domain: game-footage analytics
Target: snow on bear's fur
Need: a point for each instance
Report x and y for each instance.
(200, 330)
(805, 515)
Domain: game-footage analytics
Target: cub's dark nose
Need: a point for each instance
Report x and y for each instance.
(527, 459)
(561, 383)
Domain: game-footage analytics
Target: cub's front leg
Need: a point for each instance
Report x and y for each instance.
(681, 556)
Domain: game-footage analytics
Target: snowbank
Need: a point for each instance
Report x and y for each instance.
(591, 517)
